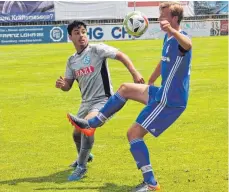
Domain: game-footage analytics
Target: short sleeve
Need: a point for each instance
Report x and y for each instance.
(105, 51)
(186, 35)
(68, 72)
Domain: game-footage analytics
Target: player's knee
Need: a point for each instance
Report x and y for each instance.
(128, 134)
(87, 142)
(136, 132)
(123, 90)
(131, 135)
(76, 132)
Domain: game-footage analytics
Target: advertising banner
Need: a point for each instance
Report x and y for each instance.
(214, 28)
(26, 11)
(197, 28)
(33, 34)
(210, 7)
(224, 27)
(55, 34)
(117, 32)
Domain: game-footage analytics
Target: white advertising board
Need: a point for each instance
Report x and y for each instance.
(117, 32)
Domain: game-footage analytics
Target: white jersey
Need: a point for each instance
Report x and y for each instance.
(90, 69)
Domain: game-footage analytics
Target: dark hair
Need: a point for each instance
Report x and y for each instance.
(76, 24)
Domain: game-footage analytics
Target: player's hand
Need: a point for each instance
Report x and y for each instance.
(150, 83)
(138, 78)
(60, 82)
(165, 26)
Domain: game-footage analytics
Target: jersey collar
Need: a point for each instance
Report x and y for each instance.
(78, 53)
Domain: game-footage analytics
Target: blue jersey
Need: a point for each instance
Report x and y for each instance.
(175, 73)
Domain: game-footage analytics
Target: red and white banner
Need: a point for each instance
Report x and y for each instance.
(224, 27)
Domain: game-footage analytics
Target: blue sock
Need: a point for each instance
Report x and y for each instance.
(114, 104)
(140, 153)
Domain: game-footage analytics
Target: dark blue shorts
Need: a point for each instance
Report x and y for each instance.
(157, 117)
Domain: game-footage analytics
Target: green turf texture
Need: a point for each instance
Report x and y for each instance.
(36, 143)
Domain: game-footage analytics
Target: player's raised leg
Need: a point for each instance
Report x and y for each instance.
(136, 92)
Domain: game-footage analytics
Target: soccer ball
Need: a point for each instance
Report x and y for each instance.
(135, 23)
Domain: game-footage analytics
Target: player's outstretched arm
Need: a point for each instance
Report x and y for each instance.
(130, 66)
(155, 74)
(64, 84)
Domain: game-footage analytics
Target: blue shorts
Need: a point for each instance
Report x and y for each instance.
(157, 117)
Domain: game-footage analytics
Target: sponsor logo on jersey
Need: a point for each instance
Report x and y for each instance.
(84, 71)
(163, 58)
(86, 60)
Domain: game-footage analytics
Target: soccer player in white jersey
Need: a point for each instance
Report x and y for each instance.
(88, 66)
(164, 104)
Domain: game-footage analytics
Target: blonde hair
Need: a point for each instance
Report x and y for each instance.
(175, 8)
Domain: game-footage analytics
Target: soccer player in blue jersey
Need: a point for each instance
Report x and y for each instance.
(164, 104)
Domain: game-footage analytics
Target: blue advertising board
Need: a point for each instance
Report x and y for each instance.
(26, 11)
(32, 34)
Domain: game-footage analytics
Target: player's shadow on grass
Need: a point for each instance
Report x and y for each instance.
(107, 187)
(59, 177)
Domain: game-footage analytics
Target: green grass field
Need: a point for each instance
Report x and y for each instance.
(36, 144)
